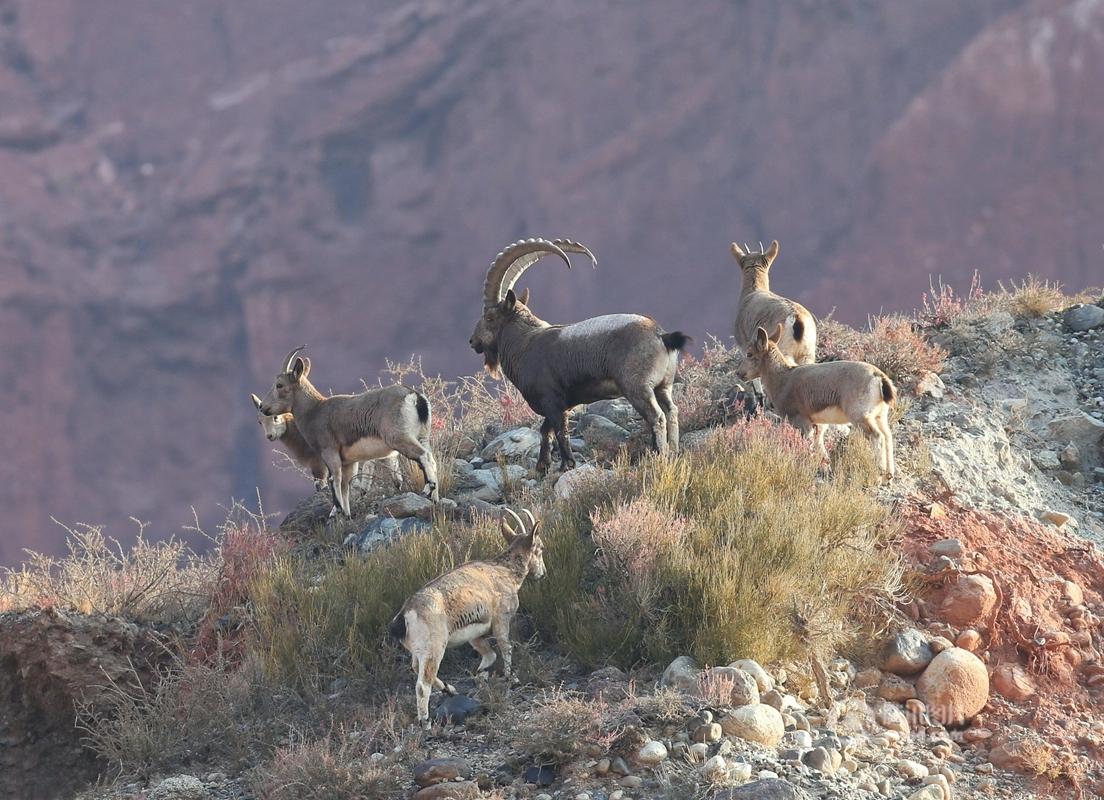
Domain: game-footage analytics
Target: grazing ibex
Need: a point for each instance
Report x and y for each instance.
(347, 428)
(556, 367)
(761, 308)
(465, 605)
(811, 396)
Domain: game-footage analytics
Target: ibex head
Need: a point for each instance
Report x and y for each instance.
(273, 425)
(754, 260)
(751, 365)
(500, 303)
(525, 545)
(282, 394)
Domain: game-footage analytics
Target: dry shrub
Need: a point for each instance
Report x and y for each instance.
(716, 687)
(193, 712)
(770, 563)
(942, 307)
(1031, 298)
(315, 621)
(342, 765)
(157, 582)
(892, 343)
(244, 550)
(707, 386)
(562, 725)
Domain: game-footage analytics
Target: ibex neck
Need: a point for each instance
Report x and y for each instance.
(755, 281)
(775, 370)
(307, 398)
(514, 340)
(517, 566)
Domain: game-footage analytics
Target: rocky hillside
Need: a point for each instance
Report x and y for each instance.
(190, 189)
(943, 640)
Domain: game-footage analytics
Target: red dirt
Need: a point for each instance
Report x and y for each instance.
(1038, 623)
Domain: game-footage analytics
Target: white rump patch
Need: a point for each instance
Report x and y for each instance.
(832, 415)
(598, 325)
(469, 632)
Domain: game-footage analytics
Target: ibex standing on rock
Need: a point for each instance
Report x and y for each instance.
(761, 308)
(464, 606)
(347, 428)
(557, 367)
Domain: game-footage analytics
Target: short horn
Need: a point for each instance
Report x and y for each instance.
(291, 355)
(532, 519)
(761, 250)
(511, 263)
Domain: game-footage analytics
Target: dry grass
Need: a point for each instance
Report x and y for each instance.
(706, 389)
(163, 582)
(345, 764)
(563, 725)
(770, 562)
(210, 713)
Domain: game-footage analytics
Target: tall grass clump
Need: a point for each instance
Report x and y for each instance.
(317, 620)
(733, 550)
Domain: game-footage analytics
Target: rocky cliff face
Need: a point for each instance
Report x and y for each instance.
(189, 190)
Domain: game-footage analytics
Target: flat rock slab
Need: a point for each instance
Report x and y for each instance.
(540, 776)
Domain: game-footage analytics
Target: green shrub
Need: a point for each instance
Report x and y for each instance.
(740, 551)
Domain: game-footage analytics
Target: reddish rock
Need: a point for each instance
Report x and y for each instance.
(1013, 682)
(968, 599)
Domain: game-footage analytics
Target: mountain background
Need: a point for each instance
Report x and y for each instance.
(188, 190)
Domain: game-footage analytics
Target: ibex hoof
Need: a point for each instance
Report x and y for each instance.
(568, 464)
(542, 467)
(450, 689)
(431, 492)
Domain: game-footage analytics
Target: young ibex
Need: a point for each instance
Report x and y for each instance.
(811, 396)
(465, 605)
(761, 308)
(282, 428)
(347, 428)
(556, 367)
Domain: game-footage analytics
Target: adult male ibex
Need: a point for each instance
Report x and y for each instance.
(556, 367)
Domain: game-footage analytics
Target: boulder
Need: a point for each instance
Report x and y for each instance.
(514, 445)
(651, 754)
(1013, 682)
(968, 599)
(456, 710)
(906, 653)
(757, 723)
(407, 504)
(572, 480)
(380, 530)
(744, 692)
(1086, 432)
(681, 674)
(618, 411)
(895, 688)
(955, 686)
(465, 790)
(762, 678)
(439, 770)
(890, 716)
(602, 434)
(1083, 317)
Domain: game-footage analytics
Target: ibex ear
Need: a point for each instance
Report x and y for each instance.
(298, 370)
(524, 298)
(737, 251)
(509, 302)
(772, 252)
(760, 339)
(256, 401)
(777, 335)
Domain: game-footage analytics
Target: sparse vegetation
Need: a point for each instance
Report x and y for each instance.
(562, 725)
(892, 343)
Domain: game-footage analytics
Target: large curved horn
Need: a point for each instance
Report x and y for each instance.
(291, 355)
(509, 265)
(569, 246)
